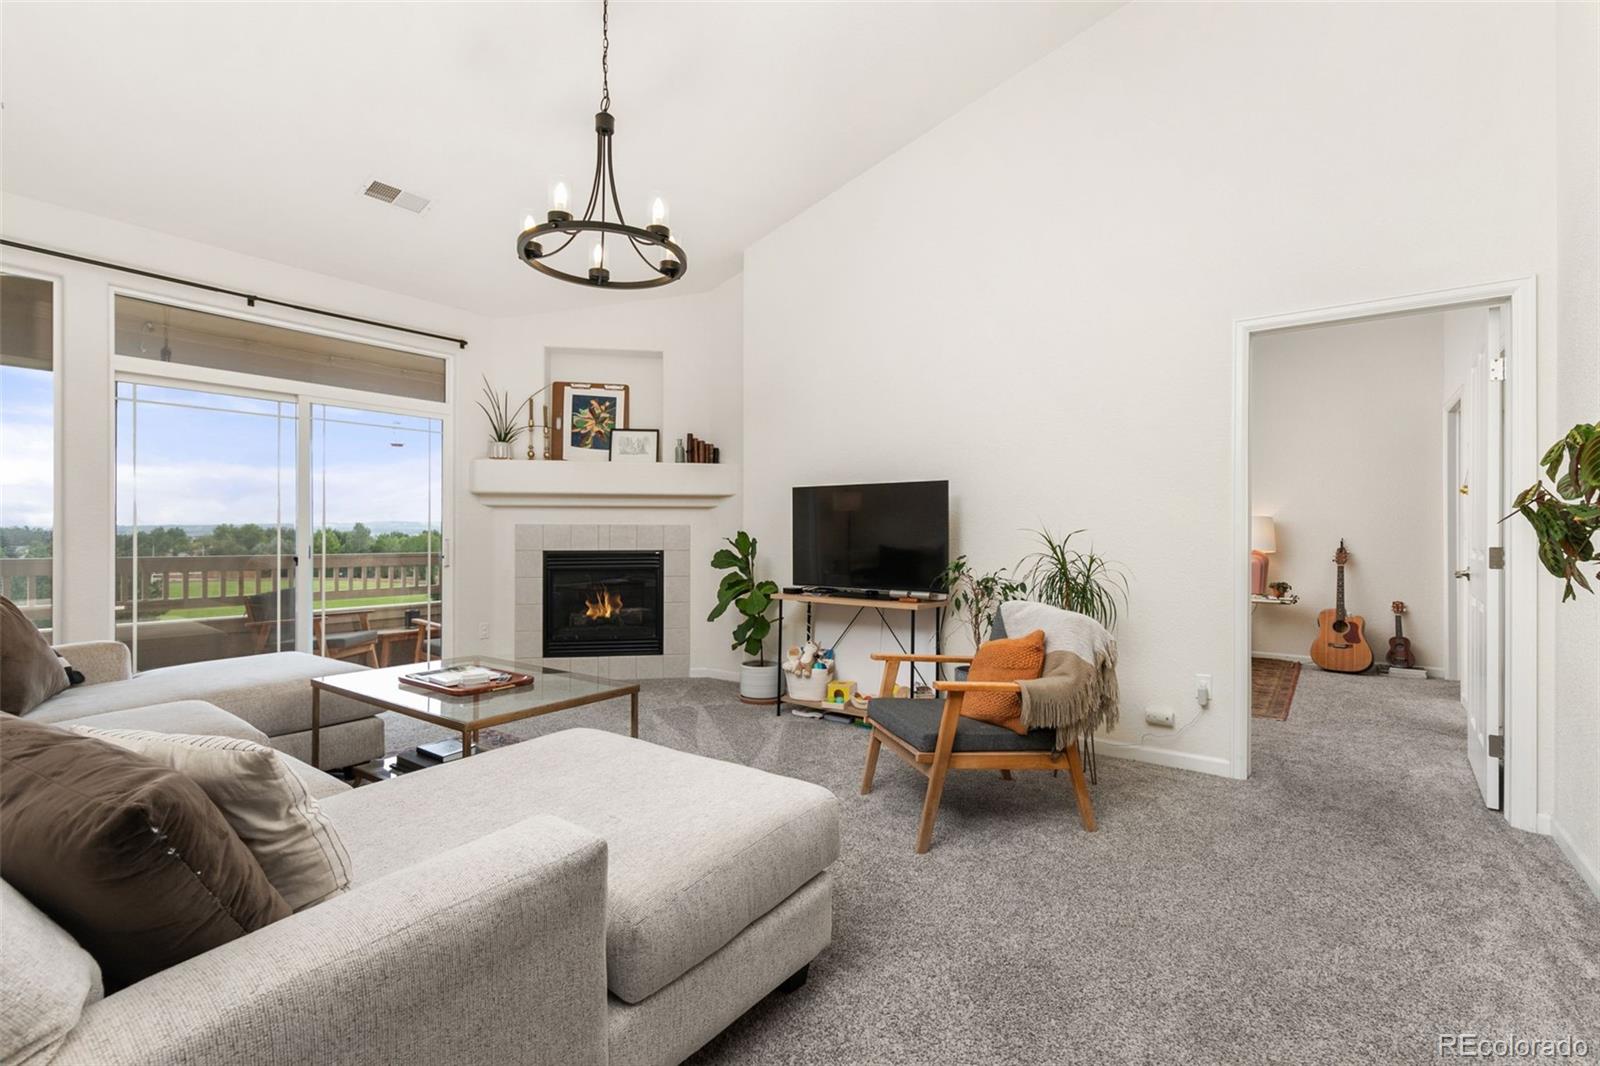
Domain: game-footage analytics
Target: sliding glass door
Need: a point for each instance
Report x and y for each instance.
(376, 493)
(205, 523)
(278, 489)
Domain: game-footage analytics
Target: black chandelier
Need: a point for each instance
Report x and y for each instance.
(602, 198)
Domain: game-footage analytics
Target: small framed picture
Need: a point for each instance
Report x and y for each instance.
(636, 446)
(586, 415)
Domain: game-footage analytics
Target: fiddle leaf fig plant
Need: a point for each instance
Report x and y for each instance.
(740, 589)
(1565, 521)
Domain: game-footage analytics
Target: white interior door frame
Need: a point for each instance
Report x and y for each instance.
(1521, 452)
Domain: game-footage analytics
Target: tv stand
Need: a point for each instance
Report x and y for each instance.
(876, 601)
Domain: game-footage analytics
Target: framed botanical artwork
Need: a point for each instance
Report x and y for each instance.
(586, 416)
(636, 446)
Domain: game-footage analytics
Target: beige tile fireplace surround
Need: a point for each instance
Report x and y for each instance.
(533, 539)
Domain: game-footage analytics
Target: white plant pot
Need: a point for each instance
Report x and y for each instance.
(758, 683)
(499, 449)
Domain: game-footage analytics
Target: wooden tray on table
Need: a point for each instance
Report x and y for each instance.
(508, 679)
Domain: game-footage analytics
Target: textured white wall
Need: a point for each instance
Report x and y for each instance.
(1576, 647)
(1346, 441)
(1035, 299)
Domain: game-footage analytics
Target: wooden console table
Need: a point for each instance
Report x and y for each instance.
(911, 608)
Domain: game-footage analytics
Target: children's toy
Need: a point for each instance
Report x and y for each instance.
(839, 691)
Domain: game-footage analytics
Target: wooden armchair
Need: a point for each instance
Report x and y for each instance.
(264, 622)
(430, 642)
(933, 737)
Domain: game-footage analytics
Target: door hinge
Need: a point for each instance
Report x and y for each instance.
(1497, 368)
(1497, 558)
(1497, 745)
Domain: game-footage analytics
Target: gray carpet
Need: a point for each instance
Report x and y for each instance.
(1347, 904)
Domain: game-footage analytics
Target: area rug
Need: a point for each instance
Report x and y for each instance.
(1272, 684)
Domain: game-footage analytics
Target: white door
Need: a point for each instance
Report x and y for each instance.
(1480, 573)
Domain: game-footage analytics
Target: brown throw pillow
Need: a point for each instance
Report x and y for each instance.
(1016, 659)
(127, 856)
(30, 670)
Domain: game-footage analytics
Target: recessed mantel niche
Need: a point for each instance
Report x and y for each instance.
(541, 483)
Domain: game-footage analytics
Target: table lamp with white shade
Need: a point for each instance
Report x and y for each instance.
(1263, 542)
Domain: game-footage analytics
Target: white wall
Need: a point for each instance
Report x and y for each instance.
(1346, 442)
(1576, 647)
(1035, 299)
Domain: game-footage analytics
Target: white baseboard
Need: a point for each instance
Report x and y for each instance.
(1586, 865)
(1435, 673)
(714, 674)
(1179, 760)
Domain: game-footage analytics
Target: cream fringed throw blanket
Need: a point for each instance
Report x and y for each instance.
(1076, 694)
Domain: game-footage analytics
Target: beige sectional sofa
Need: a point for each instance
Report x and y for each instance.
(581, 898)
(271, 692)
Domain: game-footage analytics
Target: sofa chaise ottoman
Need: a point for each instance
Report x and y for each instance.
(581, 899)
(271, 692)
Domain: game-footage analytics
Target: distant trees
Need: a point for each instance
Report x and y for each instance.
(24, 542)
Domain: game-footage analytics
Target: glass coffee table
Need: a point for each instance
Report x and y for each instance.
(552, 690)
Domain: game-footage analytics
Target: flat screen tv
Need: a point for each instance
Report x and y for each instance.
(886, 537)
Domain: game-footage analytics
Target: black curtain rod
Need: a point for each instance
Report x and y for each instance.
(249, 298)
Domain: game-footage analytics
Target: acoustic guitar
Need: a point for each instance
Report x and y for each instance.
(1341, 644)
(1399, 644)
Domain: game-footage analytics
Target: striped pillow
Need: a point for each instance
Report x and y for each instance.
(261, 799)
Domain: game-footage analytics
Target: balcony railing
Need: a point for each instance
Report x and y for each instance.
(207, 585)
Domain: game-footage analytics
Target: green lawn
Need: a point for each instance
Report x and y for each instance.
(149, 608)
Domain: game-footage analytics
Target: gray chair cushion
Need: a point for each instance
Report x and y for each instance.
(340, 641)
(917, 723)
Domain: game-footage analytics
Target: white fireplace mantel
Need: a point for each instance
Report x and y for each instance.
(540, 483)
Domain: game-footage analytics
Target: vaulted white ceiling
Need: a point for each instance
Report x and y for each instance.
(256, 126)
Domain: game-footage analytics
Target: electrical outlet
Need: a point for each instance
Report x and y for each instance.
(1162, 716)
(1202, 689)
(483, 630)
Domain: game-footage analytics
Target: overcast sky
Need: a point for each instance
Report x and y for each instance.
(192, 458)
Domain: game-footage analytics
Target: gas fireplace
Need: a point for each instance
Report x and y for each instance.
(599, 603)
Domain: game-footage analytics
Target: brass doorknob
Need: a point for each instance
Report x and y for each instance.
(1462, 490)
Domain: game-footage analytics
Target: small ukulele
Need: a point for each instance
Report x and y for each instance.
(1399, 644)
(1341, 644)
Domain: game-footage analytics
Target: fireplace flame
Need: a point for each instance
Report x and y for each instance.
(601, 604)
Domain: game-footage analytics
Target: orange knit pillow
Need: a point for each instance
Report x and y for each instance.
(1017, 659)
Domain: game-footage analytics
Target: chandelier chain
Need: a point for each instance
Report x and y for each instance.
(605, 55)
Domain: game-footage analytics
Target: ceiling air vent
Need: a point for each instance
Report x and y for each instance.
(379, 191)
(389, 194)
(412, 202)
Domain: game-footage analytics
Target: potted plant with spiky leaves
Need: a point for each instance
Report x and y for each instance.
(758, 679)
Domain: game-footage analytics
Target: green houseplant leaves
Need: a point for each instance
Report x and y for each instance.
(1565, 521)
(740, 589)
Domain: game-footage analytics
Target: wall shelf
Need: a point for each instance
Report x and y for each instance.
(541, 483)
